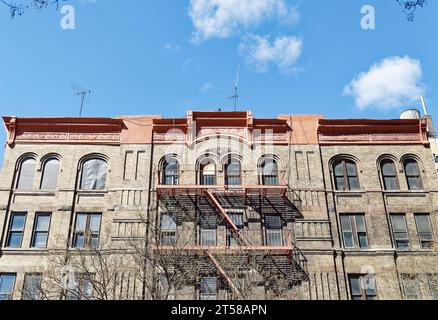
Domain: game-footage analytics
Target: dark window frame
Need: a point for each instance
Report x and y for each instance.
(426, 239)
(10, 231)
(170, 177)
(346, 177)
(401, 240)
(87, 233)
(356, 234)
(20, 172)
(386, 176)
(364, 294)
(414, 278)
(37, 294)
(35, 231)
(409, 176)
(233, 177)
(271, 179)
(4, 296)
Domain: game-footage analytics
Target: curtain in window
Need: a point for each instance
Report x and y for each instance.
(413, 176)
(26, 174)
(389, 174)
(94, 173)
(269, 172)
(50, 175)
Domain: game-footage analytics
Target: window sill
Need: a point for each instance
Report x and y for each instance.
(35, 193)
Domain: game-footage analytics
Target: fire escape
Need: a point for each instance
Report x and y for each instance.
(273, 255)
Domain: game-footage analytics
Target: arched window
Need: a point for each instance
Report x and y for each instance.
(269, 172)
(94, 173)
(49, 180)
(170, 172)
(208, 174)
(389, 175)
(233, 172)
(413, 176)
(346, 177)
(26, 174)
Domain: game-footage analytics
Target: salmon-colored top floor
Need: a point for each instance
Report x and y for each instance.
(201, 125)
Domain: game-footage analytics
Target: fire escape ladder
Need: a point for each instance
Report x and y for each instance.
(227, 218)
(223, 274)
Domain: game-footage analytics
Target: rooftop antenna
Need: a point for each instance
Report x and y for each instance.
(83, 93)
(235, 95)
(423, 103)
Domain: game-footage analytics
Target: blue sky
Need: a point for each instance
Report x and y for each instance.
(167, 56)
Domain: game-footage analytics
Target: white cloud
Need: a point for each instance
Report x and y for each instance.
(171, 47)
(390, 83)
(264, 52)
(223, 18)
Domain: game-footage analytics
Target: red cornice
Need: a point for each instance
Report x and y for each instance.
(63, 130)
(370, 131)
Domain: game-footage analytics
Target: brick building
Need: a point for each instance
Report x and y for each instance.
(218, 205)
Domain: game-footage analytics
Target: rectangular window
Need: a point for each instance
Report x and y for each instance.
(32, 286)
(7, 283)
(424, 229)
(208, 229)
(362, 287)
(411, 287)
(87, 229)
(16, 229)
(168, 230)
(237, 219)
(209, 288)
(354, 231)
(274, 230)
(41, 228)
(208, 237)
(83, 289)
(400, 231)
(432, 279)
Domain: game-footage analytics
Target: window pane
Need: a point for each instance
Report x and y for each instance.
(95, 222)
(7, 282)
(360, 223)
(355, 285)
(388, 169)
(351, 168)
(391, 183)
(42, 222)
(398, 223)
(208, 221)
(354, 183)
(273, 222)
(208, 237)
(27, 173)
(414, 183)
(15, 240)
(411, 168)
(274, 237)
(423, 223)
(340, 183)
(346, 223)
(237, 219)
(18, 220)
(209, 288)
(363, 240)
(31, 287)
(40, 240)
(81, 222)
(168, 222)
(339, 170)
(50, 175)
(94, 174)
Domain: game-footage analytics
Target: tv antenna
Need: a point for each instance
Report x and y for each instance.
(235, 95)
(81, 92)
